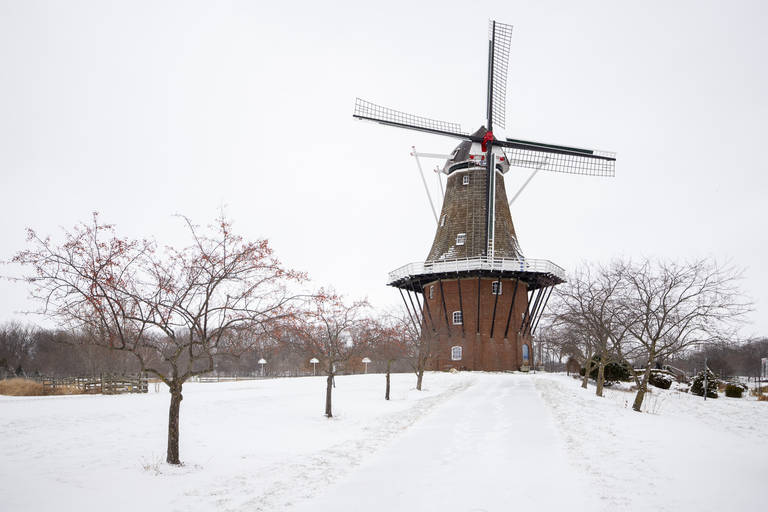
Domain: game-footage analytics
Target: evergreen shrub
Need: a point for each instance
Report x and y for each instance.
(613, 372)
(660, 379)
(697, 384)
(735, 389)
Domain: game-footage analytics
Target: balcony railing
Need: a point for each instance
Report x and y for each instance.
(472, 264)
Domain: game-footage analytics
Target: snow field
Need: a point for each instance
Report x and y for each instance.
(252, 445)
(681, 454)
(470, 442)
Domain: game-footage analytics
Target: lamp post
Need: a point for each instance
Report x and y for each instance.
(314, 362)
(262, 362)
(365, 362)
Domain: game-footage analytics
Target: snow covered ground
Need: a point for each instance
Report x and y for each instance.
(470, 441)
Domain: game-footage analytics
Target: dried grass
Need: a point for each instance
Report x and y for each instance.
(762, 398)
(28, 387)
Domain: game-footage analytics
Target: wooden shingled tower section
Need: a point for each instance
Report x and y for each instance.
(465, 210)
(477, 300)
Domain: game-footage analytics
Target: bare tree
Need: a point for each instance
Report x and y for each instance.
(417, 342)
(591, 303)
(330, 328)
(175, 310)
(671, 307)
(389, 343)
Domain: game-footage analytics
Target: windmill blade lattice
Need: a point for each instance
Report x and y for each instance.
(501, 36)
(601, 163)
(389, 116)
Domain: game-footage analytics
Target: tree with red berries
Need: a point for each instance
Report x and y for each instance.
(177, 310)
(333, 330)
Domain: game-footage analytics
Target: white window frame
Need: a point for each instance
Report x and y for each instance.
(458, 318)
(496, 288)
(461, 239)
(456, 352)
(442, 221)
(431, 291)
(465, 179)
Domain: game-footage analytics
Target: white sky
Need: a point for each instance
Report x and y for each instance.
(143, 109)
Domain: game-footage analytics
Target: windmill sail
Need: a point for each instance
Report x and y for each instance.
(554, 158)
(389, 116)
(500, 36)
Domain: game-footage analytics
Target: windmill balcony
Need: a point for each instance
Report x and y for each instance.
(516, 266)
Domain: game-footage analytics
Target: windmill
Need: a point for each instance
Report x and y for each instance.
(475, 257)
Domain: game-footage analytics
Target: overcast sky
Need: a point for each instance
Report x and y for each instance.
(144, 109)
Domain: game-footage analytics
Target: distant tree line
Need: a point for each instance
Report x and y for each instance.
(29, 351)
(730, 359)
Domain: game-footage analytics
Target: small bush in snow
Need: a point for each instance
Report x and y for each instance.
(735, 389)
(613, 372)
(697, 384)
(661, 380)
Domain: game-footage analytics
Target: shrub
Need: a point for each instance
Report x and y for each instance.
(697, 384)
(735, 389)
(613, 371)
(660, 379)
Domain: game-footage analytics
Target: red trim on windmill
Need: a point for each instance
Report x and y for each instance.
(488, 137)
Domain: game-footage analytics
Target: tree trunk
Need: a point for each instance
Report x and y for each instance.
(328, 392)
(600, 377)
(386, 393)
(642, 388)
(419, 377)
(172, 456)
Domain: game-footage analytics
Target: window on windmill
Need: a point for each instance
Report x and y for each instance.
(458, 318)
(456, 353)
(461, 238)
(442, 221)
(465, 180)
(496, 288)
(432, 291)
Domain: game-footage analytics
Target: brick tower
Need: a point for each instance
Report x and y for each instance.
(476, 299)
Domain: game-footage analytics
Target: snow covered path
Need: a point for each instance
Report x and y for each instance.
(480, 451)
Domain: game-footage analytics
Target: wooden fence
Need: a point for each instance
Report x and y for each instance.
(104, 384)
(226, 378)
